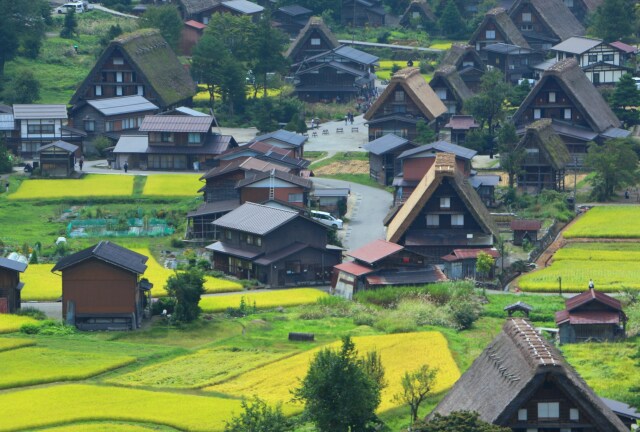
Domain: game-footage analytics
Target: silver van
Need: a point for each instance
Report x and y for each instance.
(326, 218)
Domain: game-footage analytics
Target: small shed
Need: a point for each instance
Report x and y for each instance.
(525, 229)
(384, 164)
(332, 200)
(460, 126)
(519, 307)
(10, 285)
(58, 159)
(102, 288)
(591, 316)
(461, 263)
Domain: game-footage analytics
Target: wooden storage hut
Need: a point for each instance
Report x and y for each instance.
(58, 159)
(525, 229)
(102, 287)
(10, 285)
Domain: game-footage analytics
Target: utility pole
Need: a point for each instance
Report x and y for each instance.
(575, 182)
(560, 284)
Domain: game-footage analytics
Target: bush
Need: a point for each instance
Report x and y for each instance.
(163, 303)
(465, 313)
(32, 312)
(48, 328)
(364, 318)
(396, 322)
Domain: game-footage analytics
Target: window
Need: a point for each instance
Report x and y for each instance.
(607, 57)
(227, 234)
(537, 113)
(522, 414)
(292, 267)
(574, 414)
(40, 129)
(442, 93)
(526, 17)
(257, 241)
(445, 202)
(118, 90)
(526, 27)
(295, 197)
(205, 20)
(315, 41)
(567, 113)
(108, 126)
(415, 15)
(195, 138)
(490, 34)
(552, 97)
(433, 220)
(166, 137)
(118, 61)
(98, 90)
(399, 96)
(132, 77)
(129, 123)
(548, 410)
(593, 58)
(90, 125)
(457, 220)
(118, 76)
(140, 90)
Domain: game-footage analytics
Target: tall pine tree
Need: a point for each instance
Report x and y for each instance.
(614, 20)
(451, 22)
(625, 100)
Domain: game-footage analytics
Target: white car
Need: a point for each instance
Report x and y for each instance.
(77, 6)
(326, 218)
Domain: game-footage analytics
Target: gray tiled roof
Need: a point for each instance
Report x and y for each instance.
(385, 143)
(177, 123)
(13, 265)
(122, 105)
(256, 219)
(441, 146)
(295, 10)
(108, 252)
(577, 45)
(39, 111)
(282, 135)
(71, 148)
(356, 55)
(243, 6)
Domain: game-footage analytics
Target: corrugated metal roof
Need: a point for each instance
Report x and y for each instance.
(621, 408)
(132, 144)
(243, 6)
(526, 225)
(375, 251)
(407, 277)
(256, 219)
(122, 105)
(177, 123)
(332, 192)
(191, 112)
(440, 147)
(295, 10)
(356, 55)
(39, 111)
(284, 136)
(629, 49)
(576, 45)
(280, 175)
(385, 143)
(13, 264)
(60, 144)
(592, 295)
(195, 24)
(215, 207)
(484, 180)
(230, 250)
(107, 252)
(7, 122)
(587, 317)
(353, 268)
(463, 254)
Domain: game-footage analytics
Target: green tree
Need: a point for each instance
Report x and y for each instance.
(339, 393)
(519, 93)
(625, 99)
(484, 264)
(113, 32)
(257, 416)
(186, 288)
(269, 43)
(511, 156)
(613, 20)
(488, 106)
(6, 161)
(458, 421)
(416, 386)
(23, 89)
(167, 20)
(424, 133)
(70, 26)
(451, 22)
(614, 165)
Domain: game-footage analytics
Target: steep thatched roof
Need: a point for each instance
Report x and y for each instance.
(452, 79)
(192, 7)
(592, 5)
(414, 85)
(540, 134)
(154, 61)
(444, 167)
(456, 54)
(555, 14)
(504, 24)
(515, 365)
(314, 23)
(580, 90)
(420, 6)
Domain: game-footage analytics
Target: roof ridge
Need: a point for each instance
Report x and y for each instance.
(272, 208)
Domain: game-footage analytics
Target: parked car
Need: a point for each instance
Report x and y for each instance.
(77, 6)
(327, 219)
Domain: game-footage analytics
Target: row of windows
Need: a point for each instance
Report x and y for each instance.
(537, 113)
(549, 410)
(119, 90)
(41, 128)
(433, 220)
(115, 125)
(118, 76)
(167, 162)
(249, 239)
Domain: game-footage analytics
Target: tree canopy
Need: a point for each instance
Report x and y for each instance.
(614, 165)
(459, 421)
(614, 20)
(257, 416)
(451, 23)
(625, 99)
(166, 19)
(488, 105)
(416, 386)
(187, 288)
(24, 88)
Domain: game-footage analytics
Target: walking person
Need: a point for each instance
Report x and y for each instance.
(81, 162)
(126, 167)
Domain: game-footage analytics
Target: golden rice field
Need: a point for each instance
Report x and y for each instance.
(202, 368)
(607, 222)
(35, 365)
(69, 403)
(12, 323)
(40, 284)
(172, 185)
(7, 344)
(399, 353)
(90, 186)
(263, 300)
(612, 266)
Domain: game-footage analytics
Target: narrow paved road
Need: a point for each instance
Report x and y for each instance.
(370, 207)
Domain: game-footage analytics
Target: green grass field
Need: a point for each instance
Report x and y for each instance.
(186, 185)
(607, 222)
(7, 344)
(384, 71)
(90, 186)
(263, 300)
(612, 266)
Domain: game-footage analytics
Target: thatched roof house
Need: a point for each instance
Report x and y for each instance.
(522, 382)
(313, 39)
(138, 63)
(496, 27)
(450, 88)
(547, 20)
(540, 135)
(418, 10)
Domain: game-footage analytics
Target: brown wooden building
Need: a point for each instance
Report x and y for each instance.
(578, 111)
(591, 316)
(461, 263)
(58, 159)
(141, 64)
(276, 185)
(407, 100)
(361, 13)
(419, 15)
(525, 229)
(191, 33)
(315, 38)
(10, 285)
(381, 263)
(291, 19)
(102, 287)
(522, 382)
(546, 158)
(513, 61)
(450, 89)
(442, 214)
(496, 27)
(384, 164)
(278, 247)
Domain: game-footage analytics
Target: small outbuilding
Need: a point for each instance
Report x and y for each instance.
(102, 288)
(461, 263)
(10, 285)
(58, 159)
(519, 307)
(525, 229)
(591, 316)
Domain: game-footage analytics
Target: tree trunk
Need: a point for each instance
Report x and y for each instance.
(264, 82)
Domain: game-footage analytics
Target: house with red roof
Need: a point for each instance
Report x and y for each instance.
(591, 316)
(382, 263)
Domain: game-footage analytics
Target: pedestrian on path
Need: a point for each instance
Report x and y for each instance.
(126, 167)
(81, 162)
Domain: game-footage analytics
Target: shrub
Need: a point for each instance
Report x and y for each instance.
(48, 328)
(163, 303)
(30, 328)
(364, 318)
(465, 313)
(396, 322)
(32, 312)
